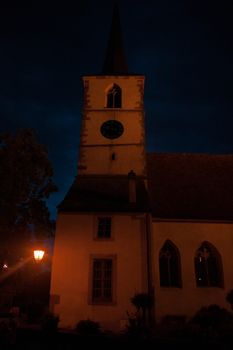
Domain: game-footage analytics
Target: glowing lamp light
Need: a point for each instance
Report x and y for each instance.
(38, 254)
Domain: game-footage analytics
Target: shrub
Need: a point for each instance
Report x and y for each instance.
(35, 312)
(8, 327)
(88, 327)
(142, 301)
(213, 317)
(229, 298)
(139, 322)
(50, 323)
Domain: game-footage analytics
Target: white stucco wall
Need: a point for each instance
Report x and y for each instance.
(188, 236)
(74, 245)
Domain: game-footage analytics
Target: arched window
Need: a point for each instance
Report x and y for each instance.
(114, 97)
(208, 266)
(169, 266)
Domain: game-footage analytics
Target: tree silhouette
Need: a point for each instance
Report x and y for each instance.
(25, 184)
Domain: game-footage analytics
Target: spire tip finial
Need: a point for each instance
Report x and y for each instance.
(115, 62)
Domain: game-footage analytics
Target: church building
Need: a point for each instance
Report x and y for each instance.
(134, 222)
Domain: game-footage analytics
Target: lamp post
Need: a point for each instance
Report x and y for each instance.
(38, 255)
(34, 284)
(19, 276)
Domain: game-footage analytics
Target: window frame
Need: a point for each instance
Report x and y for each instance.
(112, 104)
(102, 301)
(96, 228)
(176, 253)
(204, 254)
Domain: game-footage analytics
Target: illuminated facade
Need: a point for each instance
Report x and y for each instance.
(134, 222)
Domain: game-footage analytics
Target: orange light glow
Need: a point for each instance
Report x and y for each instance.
(38, 255)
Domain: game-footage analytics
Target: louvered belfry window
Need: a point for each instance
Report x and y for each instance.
(114, 97)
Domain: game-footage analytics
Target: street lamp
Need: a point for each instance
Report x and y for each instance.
(38, 254)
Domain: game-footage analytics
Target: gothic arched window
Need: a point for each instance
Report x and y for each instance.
(169, 266)
(208, 266)
(114, 97)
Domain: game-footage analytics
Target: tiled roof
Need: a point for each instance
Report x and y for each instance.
(181, 186)
(104, 194)
(191, 186)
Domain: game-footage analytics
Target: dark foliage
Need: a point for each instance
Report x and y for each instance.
(50, 323)
(25, 184)
(229, 298)
(88, 327)
(142, 301)
(138, 323)
(213, 317)
(35, 312)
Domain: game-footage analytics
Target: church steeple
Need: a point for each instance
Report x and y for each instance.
(112, 136)
(115, 62)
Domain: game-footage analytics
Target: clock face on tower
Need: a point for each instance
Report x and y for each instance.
(112, 129)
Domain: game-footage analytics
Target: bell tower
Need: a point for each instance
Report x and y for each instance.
(102, 234)
(112, 133)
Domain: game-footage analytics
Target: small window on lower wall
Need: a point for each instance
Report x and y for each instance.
(104, 227)
(169, 266)
(102, 286)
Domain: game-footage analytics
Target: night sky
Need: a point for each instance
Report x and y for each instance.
(183, 47)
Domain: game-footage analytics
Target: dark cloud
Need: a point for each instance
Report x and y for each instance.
(183, 47)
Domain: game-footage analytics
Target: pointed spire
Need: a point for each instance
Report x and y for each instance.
(115, 63)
